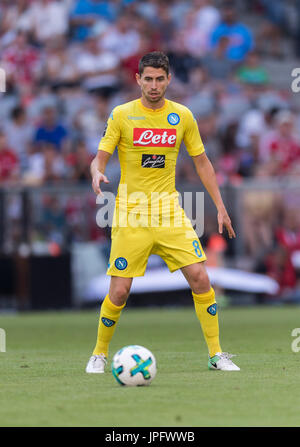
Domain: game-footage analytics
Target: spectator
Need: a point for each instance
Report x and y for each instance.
(45, 20)
(12, 19)
(252, 72)
(98, 68)
(122, 31)
(21, 62)
(91, 122)
(240, 37)
(87, 13)
(279, 262)
(261, 213)
(270, 34)
(130, 64)
(60, 67)
(51, 131)
(45, 165)
(181, 61)
(9, 163)
(207, 16)
(216, 63)
(281, 148)
(54, 164)
(82, 159)
(19, 133)
(288, 234)
(195, 39)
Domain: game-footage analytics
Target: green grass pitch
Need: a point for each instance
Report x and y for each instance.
(43, 379)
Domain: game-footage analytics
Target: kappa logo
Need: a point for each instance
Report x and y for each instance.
(136, 117)
(154, 137)
(212, 310)
(104, 132)
(107, 322)
(121, 263)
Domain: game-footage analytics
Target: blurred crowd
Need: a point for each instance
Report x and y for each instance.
(69, 62)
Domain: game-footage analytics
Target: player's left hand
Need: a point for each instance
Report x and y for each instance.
(224, 220)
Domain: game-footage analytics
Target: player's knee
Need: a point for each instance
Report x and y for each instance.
(200, 282)
(119, 295)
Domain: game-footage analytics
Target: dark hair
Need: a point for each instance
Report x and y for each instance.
(156, 59)
(17, 112)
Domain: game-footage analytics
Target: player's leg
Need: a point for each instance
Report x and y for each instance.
(206, 310)
(110, 313)
(129, 253)
(205, 304)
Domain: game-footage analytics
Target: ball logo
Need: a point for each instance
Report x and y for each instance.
(173, 119)
(212, 310)
(121, 263)
(154, 137)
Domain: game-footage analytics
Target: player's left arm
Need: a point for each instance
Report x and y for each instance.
(207, 175)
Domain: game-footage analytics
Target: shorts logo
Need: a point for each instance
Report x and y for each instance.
(107, 322)
(212, 310)
(121, 263)
(173, 119)
(154, 137)
(153, 161)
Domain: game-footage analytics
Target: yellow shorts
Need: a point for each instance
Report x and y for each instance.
(132, 246)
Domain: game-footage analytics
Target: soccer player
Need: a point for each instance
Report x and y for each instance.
(148, 218)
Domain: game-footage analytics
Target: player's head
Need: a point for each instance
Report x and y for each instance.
(153, 76)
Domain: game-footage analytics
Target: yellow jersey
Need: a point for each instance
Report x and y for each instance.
(148, 143)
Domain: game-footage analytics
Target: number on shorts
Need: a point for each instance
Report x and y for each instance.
(197, 248)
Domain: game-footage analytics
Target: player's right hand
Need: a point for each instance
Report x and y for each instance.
(97, 179)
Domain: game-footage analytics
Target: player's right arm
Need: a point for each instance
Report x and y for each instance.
(108, 142)
(98, 166)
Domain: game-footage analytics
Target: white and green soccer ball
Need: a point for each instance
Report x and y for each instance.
(134, 365)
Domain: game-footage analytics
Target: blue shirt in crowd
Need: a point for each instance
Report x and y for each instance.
(240, 40)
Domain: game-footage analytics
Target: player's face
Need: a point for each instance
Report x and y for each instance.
(153, 83)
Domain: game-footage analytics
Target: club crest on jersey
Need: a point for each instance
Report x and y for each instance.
(121, 263)
(212, 310)
(154, 137)
(173, 119)
(153, 161)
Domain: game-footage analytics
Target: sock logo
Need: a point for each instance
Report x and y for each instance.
(107, 322)
(212, 310)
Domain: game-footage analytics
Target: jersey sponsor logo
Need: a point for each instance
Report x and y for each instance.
(121, 263)
(153, 161)
(154, 137)
(212, 310)
(107, 322)
(173, 119)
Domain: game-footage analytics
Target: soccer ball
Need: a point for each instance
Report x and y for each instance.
(134, 366)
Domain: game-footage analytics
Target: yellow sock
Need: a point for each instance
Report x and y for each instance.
(109, 316)
(206, 310)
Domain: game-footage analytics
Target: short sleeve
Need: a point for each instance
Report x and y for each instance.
(191, 138)
(111, 134)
